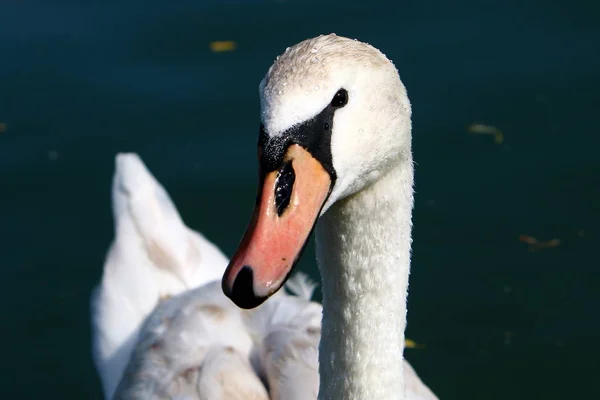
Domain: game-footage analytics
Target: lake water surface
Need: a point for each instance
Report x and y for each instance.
(81, 81)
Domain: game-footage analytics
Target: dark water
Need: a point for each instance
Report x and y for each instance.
(80, 81)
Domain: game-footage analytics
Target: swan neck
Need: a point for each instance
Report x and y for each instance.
(363, 251)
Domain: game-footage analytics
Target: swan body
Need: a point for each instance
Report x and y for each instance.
(187, 340)
(162, 327)
(199, 345)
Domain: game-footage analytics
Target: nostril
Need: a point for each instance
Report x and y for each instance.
(283, 188)
(242, 291)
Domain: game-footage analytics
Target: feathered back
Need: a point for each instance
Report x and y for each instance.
(193, 346)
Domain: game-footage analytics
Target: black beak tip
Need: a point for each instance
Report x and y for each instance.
(242, 291)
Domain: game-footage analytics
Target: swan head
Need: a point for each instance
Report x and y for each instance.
(334, 118)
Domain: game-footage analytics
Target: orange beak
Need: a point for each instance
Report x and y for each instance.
(288, 204)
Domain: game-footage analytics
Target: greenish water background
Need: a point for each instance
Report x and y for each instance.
(80, 81)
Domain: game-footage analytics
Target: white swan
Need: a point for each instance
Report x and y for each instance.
(195, 345)
(336, 143)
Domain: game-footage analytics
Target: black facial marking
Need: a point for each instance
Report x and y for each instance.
(284, 186)
(314, 135)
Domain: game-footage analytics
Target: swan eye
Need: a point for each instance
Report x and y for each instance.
(340, 99)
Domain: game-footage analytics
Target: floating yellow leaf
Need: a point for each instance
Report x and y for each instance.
(481, 129)
(527, 239)
(411, 344)
(548, 244)
(222, 45)
(535, 244)
(2, 127)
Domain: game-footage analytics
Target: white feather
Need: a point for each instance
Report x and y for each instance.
(301, 285)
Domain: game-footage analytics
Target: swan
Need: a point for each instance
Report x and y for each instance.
(335, 146)
(187, 340)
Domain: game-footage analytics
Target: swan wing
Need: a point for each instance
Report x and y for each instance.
(153, 255)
